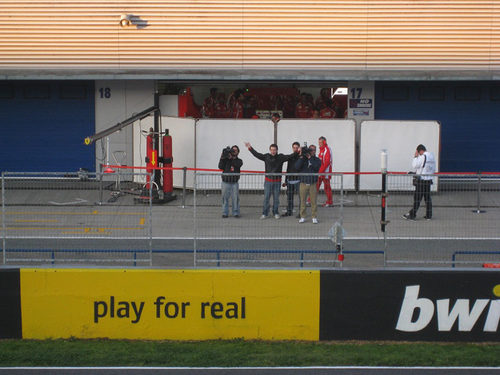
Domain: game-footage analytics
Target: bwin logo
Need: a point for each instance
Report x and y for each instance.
(446, 318)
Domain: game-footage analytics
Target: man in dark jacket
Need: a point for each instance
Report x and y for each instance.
(273, 165)
(292, 181)
(230, 165)
(308, 163)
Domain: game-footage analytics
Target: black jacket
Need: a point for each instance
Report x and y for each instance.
(230, 166)
(273, 164)
(291, 169)
(311, 165)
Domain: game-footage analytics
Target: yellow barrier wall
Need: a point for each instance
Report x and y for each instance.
(170, 304)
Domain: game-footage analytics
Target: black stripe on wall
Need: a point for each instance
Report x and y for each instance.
(368, 305)
(10, 304)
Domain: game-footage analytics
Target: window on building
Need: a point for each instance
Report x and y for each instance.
(36, 91)
(467, 93)
(395, 93)
(7, 91)
(495, 93)
(73, 91)
(431, 93)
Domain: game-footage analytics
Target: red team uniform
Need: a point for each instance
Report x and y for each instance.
(209, 107)
(221, 110)
(303, 110)
(325, 155)
(238, 109)
(327, 112)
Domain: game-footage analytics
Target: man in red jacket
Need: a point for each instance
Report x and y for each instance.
(325, 155)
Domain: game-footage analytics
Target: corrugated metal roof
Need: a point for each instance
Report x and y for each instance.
(249, 35)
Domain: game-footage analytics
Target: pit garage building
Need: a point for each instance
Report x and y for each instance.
(69, 69)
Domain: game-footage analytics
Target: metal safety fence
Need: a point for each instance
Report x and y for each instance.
(98, 218)
(266, 231)
(443, 219)
(76, 218)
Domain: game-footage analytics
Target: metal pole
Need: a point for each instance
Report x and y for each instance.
(341, 219)
(100, 185)
(107, 150)
(478, 209)
(383, 221)
(342, 199)
(383, 201)
(157, 136)
(4, 233)
(151, 222)
(194, 220)
(275, 127)
(184, 172)
(139, 116)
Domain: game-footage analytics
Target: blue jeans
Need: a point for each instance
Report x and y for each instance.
(230, 190)
(274, 189)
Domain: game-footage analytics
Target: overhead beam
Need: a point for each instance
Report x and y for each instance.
(138, 116)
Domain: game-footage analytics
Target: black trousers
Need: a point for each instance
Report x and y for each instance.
(291, 190)
(422, 190)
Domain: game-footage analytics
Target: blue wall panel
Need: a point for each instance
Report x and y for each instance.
(43, 124)
(469, 113)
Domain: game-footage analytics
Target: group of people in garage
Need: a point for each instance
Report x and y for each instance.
(245, 104)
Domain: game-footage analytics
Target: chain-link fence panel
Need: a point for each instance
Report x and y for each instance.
(443, 210)
(256, 221)
(74, 218)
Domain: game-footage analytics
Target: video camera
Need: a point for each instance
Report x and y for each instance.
(305, 150)
(226, 152)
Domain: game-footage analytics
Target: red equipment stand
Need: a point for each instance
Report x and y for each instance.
(153, 161)
(151, 157)
(168, 180)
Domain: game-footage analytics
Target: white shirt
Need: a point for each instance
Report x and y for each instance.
(424, 164)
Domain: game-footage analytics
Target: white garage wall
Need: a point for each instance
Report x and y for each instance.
(213, 135)
(340, 136)
(125, 99)
(400, 139)
(199, 145)
(182, 131)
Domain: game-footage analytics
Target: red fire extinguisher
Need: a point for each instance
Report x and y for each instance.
(151, 156)
(168, 186)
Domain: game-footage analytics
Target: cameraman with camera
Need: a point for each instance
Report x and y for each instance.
(230, 165)
(308, 163)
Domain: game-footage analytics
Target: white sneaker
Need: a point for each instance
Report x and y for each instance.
(263, 217)
(315, 221)
(302, 220)
(277, 216)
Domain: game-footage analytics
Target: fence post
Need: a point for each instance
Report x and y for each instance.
(4, 233)
(383, 201)
(342, 199)
(100, 185)
(194, 219)
(478, 209)
(151, 221)
(340, 256)
(184, 172)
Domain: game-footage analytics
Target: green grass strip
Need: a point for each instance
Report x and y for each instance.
(242, 353)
